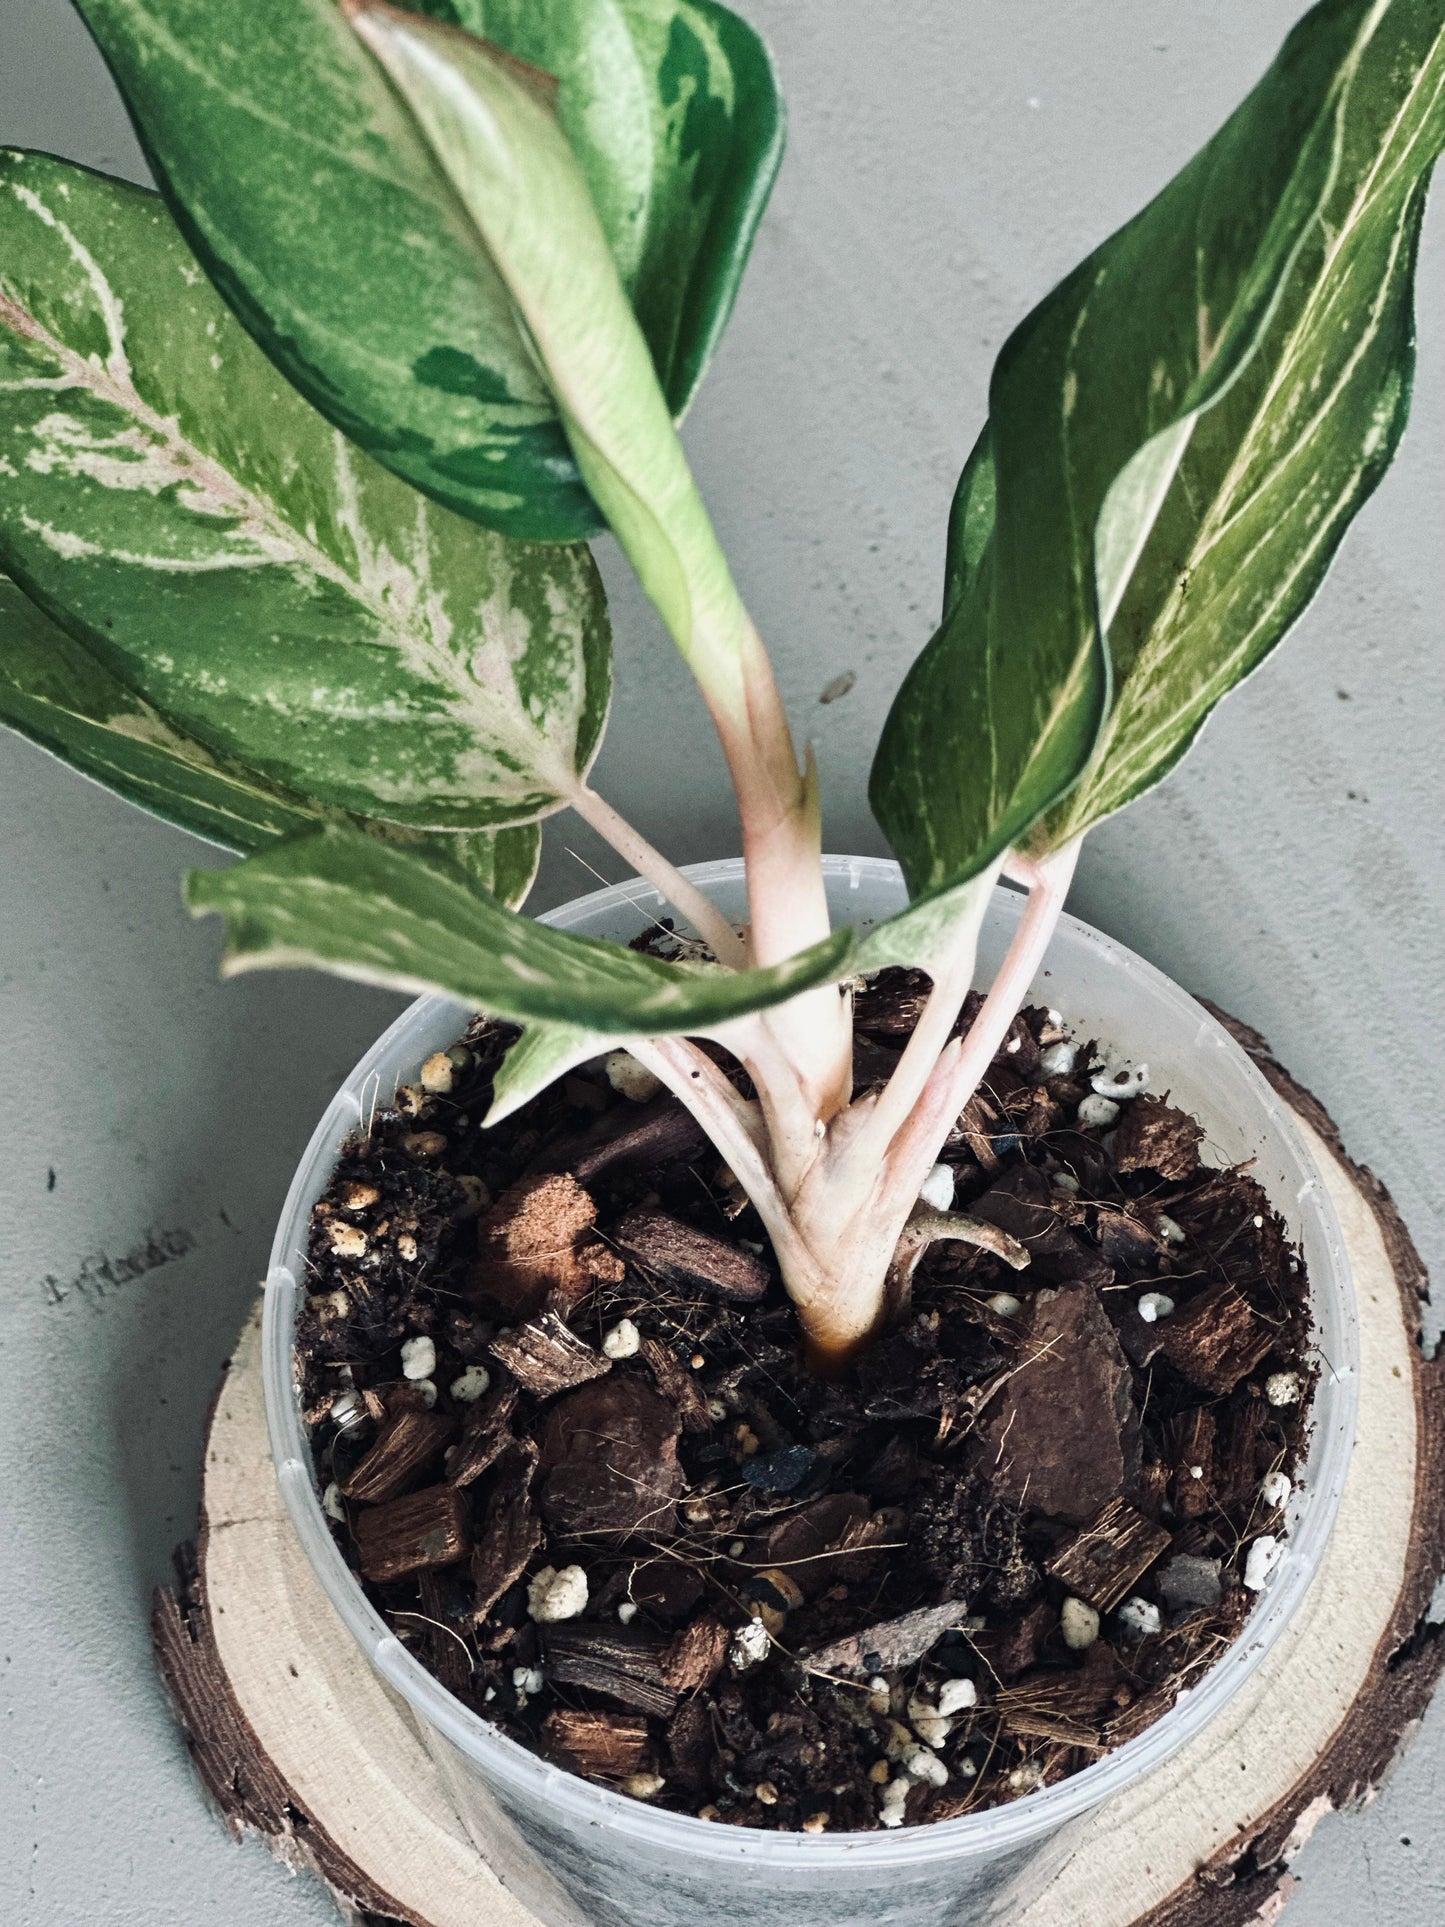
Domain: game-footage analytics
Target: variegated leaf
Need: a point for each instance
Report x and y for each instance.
(313, 203)
(673, 110)
(1096, 401)
(346, 903)
(542, 1054)
(240, 566)
(56, 694)
(497, 137)
(1280, 464)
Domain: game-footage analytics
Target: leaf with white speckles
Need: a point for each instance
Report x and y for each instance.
(56, 694)
(231, 559)
(1179, 435)
(345, 903)
(312, 201)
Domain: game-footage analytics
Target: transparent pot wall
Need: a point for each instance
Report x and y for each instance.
(575, 1852)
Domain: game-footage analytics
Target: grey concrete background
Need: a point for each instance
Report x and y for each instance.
(947, 162)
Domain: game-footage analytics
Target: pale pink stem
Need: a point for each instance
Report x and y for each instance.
(961, 1066)
(951, 984)
(630, 844)
(734, 1127)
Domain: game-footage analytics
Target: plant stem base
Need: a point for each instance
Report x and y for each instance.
(296, 1738)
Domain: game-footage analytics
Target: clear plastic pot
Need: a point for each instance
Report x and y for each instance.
(575, 1852)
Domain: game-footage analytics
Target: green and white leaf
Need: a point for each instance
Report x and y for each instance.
(342, 902)
(317, 209)
(56, 694)
(244, 570)
(1278, 467)
(1095, 403)
(542, 1054)
(673, 111)
(496, 135)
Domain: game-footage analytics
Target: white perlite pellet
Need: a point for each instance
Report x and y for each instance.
(627, 1612)
(1138, 1618)
(1154, 1305)
(623, 1341)
(1079, 1624)
(956, 1696)
(1059, 1059)
(418, 1358)
(1125, 1083)
(1275, 1489)
(1095, 1112)
(891, 1801)
(937, 1188)
(1283, 1388)
(922, 1763)
(1169, 1230)
(331, 1503)
(642, 1786)
(527, 1680)
(629, 1078)
(1264, 1555)
(1005, 1304)
(468, 1388)
(557, 1593)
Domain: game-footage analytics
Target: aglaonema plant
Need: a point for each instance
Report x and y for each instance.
(300, 458)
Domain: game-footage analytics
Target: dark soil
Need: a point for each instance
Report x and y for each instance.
(1019, 1439)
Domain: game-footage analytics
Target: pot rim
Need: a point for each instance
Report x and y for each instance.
(989, 1831)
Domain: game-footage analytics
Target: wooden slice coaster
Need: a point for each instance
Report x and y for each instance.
(296, 1738)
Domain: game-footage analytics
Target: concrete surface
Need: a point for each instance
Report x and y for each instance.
(947, 162)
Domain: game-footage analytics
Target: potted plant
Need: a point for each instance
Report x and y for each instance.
(302, 461)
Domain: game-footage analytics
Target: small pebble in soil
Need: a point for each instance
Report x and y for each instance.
(1283, 1388)
(1065, 1183)
(627, 1612)
(1169, 1230)
(557, 1593)
(1095, 1112)
(1189, 1583)
(1079, 1624)
(426, 1390)
(1275, 1488)
(816, 1823)
(1058, 1060)
(1026, 1778)
(643, 1786)
(418, 1358)
(629, 1078)
(623, 1341)
(437, 1074)
(956, 1696)
(331, 1503)
(1005, 1305)
(765, 1793)
(468, 1388)
(1124, 1084)
(750, 1646)
(1138, 1618)
(880, 1696)
(937, 1188)
(1154, 1305)
(527, 1680)
(1264, 1555)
